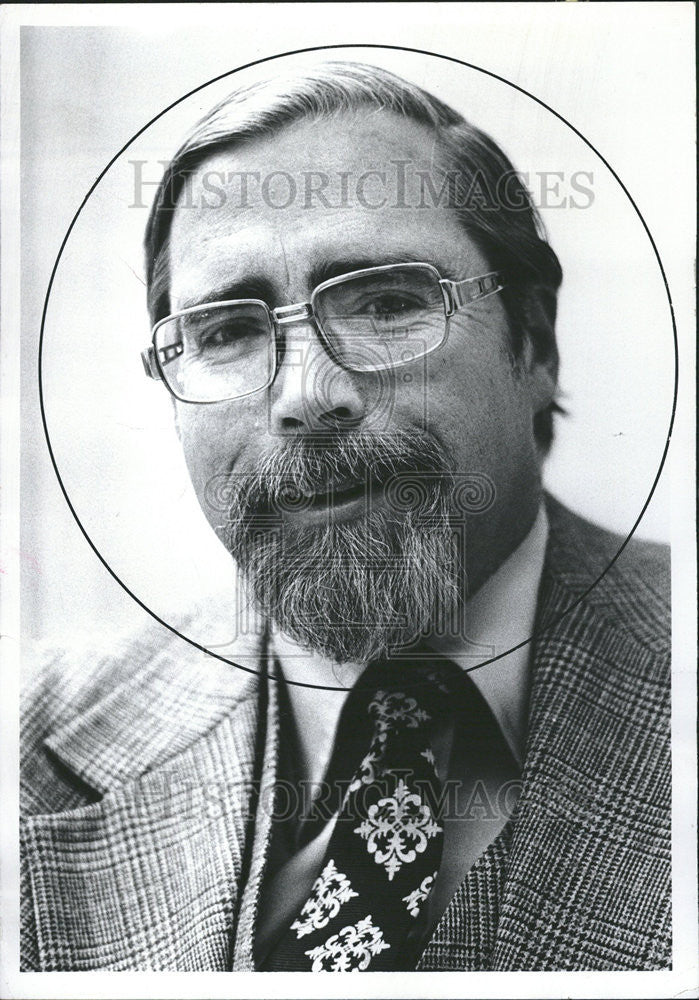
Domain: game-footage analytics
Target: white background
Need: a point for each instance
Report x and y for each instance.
(622, 74)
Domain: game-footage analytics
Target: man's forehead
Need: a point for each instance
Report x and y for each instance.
(357, 140)
(351, 162)
(361, 188)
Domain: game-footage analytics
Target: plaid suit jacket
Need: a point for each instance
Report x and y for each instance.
(139, 771)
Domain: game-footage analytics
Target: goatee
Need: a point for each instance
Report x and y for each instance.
(358, 589)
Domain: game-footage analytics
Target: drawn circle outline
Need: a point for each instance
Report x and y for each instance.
(325, 48)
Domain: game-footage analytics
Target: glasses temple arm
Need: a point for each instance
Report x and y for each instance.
(150, 363)
(460, 293)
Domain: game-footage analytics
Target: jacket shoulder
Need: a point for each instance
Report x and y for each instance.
(60, 683)
(626, 581)
(108, 691)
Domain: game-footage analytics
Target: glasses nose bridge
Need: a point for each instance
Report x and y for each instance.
(299, 312)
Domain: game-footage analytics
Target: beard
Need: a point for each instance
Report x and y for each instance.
(358, 589)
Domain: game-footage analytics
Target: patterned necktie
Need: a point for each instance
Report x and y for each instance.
(384, 852)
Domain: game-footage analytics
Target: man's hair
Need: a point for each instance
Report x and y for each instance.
(483, 188)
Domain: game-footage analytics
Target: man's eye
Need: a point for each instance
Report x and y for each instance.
(389, 305)
(228, 334)
(219, 335)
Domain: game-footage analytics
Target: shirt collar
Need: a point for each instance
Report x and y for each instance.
(500, 622)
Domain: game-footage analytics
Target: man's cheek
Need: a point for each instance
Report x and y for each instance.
(205, 451)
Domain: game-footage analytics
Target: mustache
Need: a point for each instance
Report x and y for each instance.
(412, 465)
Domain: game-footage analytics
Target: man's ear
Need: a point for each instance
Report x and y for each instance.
(543, 381)
(539, 350)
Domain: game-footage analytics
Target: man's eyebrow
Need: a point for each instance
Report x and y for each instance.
(325, 270)
(257, 287)
(246, 288)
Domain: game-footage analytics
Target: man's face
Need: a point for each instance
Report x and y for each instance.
(466, 409)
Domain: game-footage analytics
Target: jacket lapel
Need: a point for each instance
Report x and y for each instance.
(587, 833)
(261, 835)
(566, 885)
(464, 938)
(147, 878)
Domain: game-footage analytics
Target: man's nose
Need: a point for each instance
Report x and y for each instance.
(311, 393)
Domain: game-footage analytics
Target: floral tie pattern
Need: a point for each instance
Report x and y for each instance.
(397, 829)
(383, 855)
(330, 890)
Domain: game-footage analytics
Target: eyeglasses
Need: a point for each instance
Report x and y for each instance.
(369, 320)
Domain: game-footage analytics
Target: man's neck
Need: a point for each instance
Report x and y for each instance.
(317, 688)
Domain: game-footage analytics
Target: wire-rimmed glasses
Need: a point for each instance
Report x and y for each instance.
(369, 320)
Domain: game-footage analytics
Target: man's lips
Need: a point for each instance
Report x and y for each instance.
(339, 493)
(346, 497)
(294, 497)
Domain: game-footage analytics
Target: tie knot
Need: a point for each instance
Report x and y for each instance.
(404, 695)
(393, 710)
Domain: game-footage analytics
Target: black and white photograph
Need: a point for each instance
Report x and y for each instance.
(348, 539)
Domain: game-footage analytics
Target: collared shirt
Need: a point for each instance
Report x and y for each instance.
(500, 621)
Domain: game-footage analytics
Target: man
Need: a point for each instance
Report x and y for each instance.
(447, 750)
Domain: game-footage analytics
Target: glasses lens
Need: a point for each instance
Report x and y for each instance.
(216, 352)
(383, 319)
